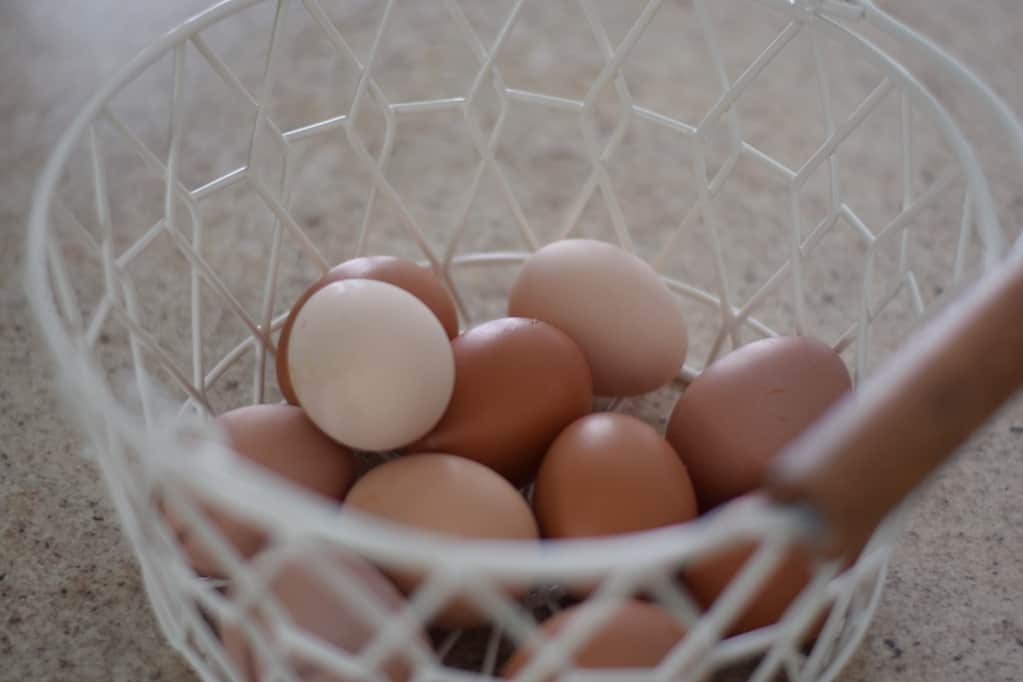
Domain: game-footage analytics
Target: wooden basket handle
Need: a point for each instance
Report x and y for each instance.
(884, 439)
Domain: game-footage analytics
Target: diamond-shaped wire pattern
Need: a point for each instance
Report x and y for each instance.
(542, 164)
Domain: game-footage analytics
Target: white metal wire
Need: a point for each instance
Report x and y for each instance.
(156, 456)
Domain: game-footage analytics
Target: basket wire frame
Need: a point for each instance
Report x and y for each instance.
(180, 468)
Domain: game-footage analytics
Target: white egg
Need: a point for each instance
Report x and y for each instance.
(371, 364)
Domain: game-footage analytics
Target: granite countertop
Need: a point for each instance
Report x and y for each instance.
(71, 601)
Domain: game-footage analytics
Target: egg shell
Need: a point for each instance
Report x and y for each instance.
(322, 612)
(743, 409)
(518, 383)
(613, 305)
(610, 473)
(450, 495)
(708, 576)
(370, 364)
(406, 274)
(282, 439)
(636, 635)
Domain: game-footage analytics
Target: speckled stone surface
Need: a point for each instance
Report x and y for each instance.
(71, 600)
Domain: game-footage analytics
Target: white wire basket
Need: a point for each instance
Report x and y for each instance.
(234, 160)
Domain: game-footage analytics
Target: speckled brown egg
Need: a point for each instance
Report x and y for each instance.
(449, 495)
(610, 473)
(636, 635)
(613, 304)
(402, 273)
(518, 383)
(744, 408)
(321, 611)
(283, 440)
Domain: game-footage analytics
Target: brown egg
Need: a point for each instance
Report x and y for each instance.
(316, 608)
(518, 382)
(402, 273)
(637, 635)
(613, 305)
(733, 419)
(282, 439)
(450, 495)
(610, 473)
(708, 576)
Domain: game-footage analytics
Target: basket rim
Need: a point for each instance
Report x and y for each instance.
(83, 380)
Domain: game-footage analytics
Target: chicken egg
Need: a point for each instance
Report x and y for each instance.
(613, 305)
(744, 408)
(709, 574)
(610, 473)
(449, 495)
(636, 635)
(282, 439)
(518, 382)
(314, 606)
(400, 272)
(370, 363)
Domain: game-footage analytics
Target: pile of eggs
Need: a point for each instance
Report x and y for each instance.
(370, 359)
